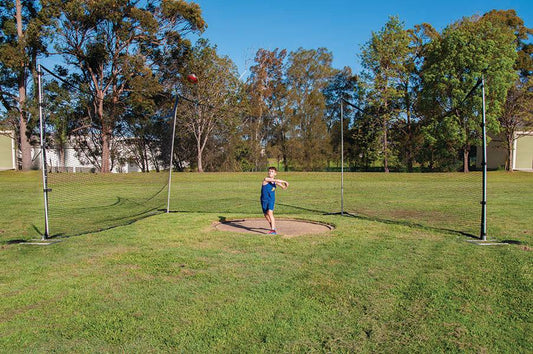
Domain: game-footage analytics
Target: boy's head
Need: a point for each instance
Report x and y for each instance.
(272, 171)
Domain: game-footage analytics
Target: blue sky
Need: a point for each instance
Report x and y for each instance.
(240, 27)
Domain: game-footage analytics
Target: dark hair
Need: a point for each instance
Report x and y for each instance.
(272, 168)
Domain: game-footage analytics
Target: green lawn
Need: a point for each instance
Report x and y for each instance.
(400, 276)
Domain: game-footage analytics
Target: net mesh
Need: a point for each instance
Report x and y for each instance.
(89, 202)
(444, 201)
(83, 200)
(80, 198)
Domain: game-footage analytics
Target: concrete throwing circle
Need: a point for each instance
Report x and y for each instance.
(285, 227)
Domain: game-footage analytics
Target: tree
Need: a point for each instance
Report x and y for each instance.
(62, 112)
(517, 115)
(112, 43)
(265, 80)
(384, 57)
(364, 146)
(342, 87)
(453, 66)
(214, 96)
(308, 74)
(517, 111)
(24, 37)
(406, 135)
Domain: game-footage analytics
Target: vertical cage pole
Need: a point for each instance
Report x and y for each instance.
(342, 158)
(172, 152)
(483, 235)
(43, 159)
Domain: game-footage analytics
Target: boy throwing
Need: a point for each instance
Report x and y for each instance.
(268, 196)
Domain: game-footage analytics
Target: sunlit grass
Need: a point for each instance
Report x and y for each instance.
(170, 283)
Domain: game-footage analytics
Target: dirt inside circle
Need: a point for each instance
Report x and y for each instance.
(285, 227)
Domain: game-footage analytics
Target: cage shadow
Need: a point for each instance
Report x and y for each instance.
(117, 222)
(388, 221)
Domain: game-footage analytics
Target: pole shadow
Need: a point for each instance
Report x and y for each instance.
(388, 221)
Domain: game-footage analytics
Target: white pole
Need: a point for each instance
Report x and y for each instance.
(43, 160)
(342, 158)
(172, 152)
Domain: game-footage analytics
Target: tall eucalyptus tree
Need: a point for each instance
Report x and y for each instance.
(517, 114)
(384, 59)
(112, 44)
(24, 37)
(308, 73)
(265, 81)
(454, 64)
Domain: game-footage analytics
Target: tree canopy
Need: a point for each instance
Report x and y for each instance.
(415, 105)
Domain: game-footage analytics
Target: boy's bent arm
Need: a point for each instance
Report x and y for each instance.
(279, 182)
(268, 180)
(282, 183)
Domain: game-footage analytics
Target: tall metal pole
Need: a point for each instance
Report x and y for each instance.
(484, 164)
(172, 152)
(43, 159)
(342, 158)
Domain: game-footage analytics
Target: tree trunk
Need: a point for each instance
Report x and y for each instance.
(385, 138)
(385, 147)
(25, 146)
(62, 158)
(199, 157)
(410, 143)
(106, 151)
(509, 162)
(465, 159)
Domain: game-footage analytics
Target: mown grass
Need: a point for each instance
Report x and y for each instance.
(170, 283)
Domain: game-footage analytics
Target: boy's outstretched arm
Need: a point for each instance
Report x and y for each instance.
(283, 184)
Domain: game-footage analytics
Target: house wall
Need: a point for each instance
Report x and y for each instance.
(7, 151)
(523, 158)
(71, 161)
(497, 153)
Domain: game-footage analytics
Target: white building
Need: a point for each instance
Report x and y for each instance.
(7, 150)
(522, 153)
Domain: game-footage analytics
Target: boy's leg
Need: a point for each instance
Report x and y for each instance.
(264, 206)
(272, 221)
(267, 217)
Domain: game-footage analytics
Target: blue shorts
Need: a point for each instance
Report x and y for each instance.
(267, 205)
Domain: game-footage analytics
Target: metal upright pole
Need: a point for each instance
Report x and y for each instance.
(342, 158)
(172, 152)
(43, 159)
(484, 164)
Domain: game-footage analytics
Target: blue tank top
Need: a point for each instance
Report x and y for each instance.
(268, 191)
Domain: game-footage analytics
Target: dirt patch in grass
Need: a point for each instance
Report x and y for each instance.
(285, 227)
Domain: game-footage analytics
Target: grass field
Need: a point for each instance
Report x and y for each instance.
(399, 276)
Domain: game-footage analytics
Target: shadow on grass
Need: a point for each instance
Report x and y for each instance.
(130, 219)
(235, 223)
(351, 215)
(117, 222)
(387, 221)
(12, 242)
(513, 242)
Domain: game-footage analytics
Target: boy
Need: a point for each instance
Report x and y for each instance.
(268, 196)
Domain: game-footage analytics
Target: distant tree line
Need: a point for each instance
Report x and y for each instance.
(124, 63)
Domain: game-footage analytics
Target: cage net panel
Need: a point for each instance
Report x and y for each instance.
(444, 201)
(88, 202)
(81, 199)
